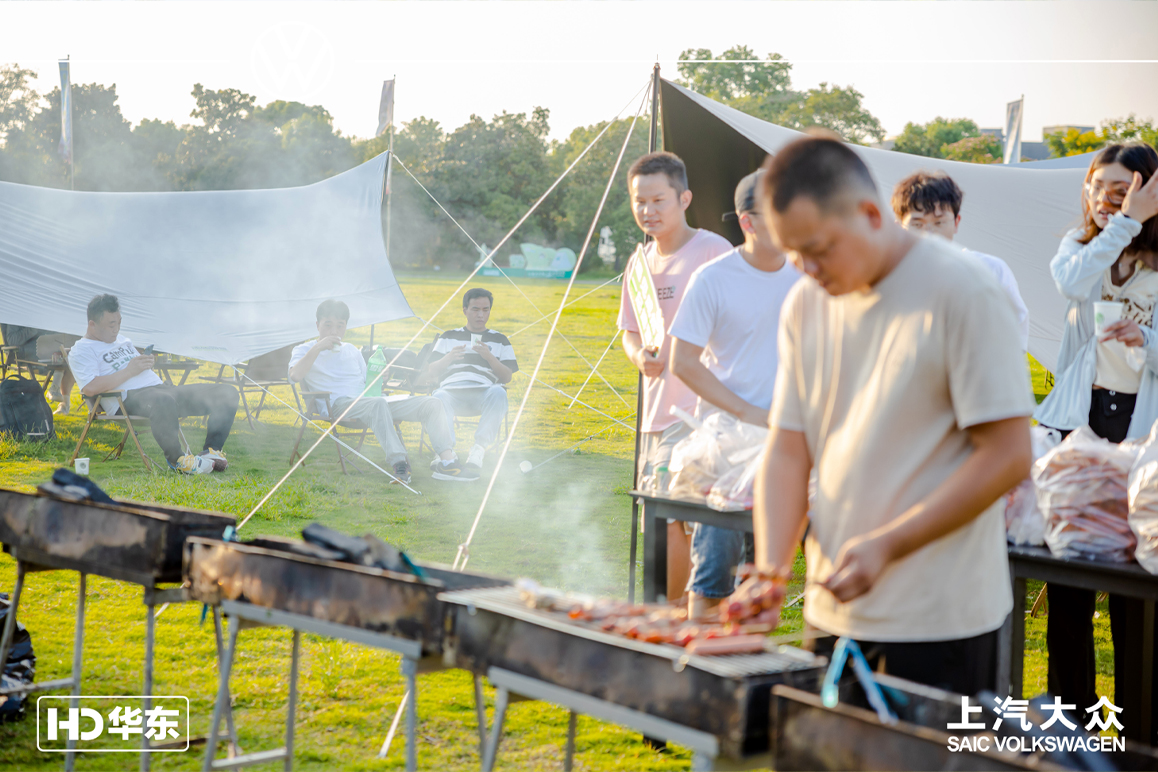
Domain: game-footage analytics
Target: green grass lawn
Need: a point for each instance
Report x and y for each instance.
(566, 524)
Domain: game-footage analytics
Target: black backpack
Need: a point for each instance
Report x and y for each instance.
(24, 412)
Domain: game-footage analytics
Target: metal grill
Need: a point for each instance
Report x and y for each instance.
(507, 601)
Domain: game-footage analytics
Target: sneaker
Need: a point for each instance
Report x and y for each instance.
(455, 471)
(220, 463)
(191, 464)
(54, 394)
(61, 409)
(402, 472)
(475, 458)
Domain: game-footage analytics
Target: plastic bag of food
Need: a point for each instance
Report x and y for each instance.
(1142, 493)
(733, 491)
(1024, 522)
(719, 444)
(1081, 490)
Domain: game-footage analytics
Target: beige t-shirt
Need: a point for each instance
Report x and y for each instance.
(932, 349)
(1138, 293)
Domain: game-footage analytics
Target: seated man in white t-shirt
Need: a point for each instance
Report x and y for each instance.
(338, 369)
(724, 349)
(105, 361)
(931, 203)
(902, 384)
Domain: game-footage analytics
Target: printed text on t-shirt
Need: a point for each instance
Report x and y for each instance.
(665, 293)
(120, 356)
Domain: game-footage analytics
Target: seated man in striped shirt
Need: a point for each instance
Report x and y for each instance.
(473, 362)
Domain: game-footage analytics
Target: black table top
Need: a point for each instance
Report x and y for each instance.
(689, 503)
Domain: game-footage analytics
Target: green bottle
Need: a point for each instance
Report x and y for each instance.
(376, 365)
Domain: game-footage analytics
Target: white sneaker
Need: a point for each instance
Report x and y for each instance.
(190, 464)
(476, 456)
(220, 463)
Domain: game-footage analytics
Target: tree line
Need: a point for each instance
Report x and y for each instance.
(486, 173)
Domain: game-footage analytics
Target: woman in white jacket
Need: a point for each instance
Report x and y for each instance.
(1110, 383)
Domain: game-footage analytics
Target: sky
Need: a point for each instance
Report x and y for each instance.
(584, 61)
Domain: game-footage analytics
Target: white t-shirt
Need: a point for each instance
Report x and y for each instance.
(732, 311)
(90, 359)
(1000, 269)
(884, 383)
(340, 373)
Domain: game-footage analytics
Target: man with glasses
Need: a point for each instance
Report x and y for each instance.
(724, 348)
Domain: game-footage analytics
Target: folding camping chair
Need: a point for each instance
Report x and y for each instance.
(308, 406)
(96, 412)
(258, 375)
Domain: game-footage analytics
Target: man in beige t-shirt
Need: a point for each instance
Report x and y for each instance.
(902, 382)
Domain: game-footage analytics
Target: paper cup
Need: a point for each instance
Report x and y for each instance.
(81, 466)
(475, 338)
(1106, 313)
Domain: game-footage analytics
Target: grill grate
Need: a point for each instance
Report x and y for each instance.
(507, 602)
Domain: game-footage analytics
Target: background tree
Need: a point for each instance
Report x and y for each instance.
(747, 77)
(927, 139)
(1073, 142)
(17, 99)
(984, 149)
(835, 108)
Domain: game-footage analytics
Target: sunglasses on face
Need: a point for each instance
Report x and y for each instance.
(1114, 195)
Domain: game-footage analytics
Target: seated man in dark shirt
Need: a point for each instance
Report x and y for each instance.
(475, 362)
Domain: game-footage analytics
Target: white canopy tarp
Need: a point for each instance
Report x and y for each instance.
(217, 275)
(1018, 213)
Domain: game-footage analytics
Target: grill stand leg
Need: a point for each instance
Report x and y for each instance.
(233, 749)
(569, 753)
(293, 701)
(410, 670)
(10, 620)
(480, 708)
(634, 550)
(150, 632)
(492, 748)
(222, 703)
(77, 658)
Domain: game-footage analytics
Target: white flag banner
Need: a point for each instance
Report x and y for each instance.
(65, 114)
(385, 108)
(1013, 131)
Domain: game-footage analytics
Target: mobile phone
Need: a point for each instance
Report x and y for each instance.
(149, 349)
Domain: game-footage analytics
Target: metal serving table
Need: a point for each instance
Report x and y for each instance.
(1128, 579)
(657, 510)
(128, 541)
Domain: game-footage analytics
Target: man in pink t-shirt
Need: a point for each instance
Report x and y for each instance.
(658, 186)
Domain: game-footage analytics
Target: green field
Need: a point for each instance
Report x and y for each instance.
(566, 524)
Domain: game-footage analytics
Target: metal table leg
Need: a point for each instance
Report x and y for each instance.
(1017, 640)
(654, 554)
(77, 659)
(501, 697)
(569, 752)
(634, 550)
(222, 702)
(1147, 720)
(10, 620)
(480, 708)
(150, 632)
(234, 749)
(410, 670)
(293, 701)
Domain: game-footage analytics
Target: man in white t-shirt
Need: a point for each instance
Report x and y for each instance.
(930, 202)
(105, 361)
(338, 369)
(658, 187)
(724, 349)
(902, 383)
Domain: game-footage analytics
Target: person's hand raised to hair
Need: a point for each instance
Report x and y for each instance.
(650, 366)
(860, 562)
(1141, 201)
(1125, 330)
(139, 364)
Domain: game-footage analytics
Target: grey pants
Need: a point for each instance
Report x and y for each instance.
(380, 415)
(488, 402)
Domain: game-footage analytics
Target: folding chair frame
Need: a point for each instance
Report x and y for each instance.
(357, 428)
(96, 412)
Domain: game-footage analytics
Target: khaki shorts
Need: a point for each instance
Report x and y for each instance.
(655, 449)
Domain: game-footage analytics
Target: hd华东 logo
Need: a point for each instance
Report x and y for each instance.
(118, 724)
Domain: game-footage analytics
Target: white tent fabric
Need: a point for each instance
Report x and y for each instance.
(1018, 213)
(217, 275)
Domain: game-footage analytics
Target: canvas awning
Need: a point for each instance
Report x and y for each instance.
(1018, 213)
(217, 275)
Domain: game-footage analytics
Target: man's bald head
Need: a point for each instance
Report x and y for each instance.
(822, 169)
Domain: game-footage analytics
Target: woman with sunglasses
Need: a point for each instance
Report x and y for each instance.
(1109, 382)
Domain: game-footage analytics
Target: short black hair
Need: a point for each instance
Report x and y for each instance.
(333, 309)
(101, 305)
(923, 191)
(477, 292)
(661, 163)
(820, 168)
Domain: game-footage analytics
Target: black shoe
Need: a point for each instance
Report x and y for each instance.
(454, 471)
(402, 472)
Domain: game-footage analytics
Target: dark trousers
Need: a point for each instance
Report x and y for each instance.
(1070, 628)
(963, 665)
(163, 405)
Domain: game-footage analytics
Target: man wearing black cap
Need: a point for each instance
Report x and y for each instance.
(729, 318)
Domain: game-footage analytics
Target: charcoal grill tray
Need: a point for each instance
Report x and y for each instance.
(342, 593)
(128, 540)
(727, 696)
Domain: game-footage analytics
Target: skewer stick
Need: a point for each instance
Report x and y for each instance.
(393, 726)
